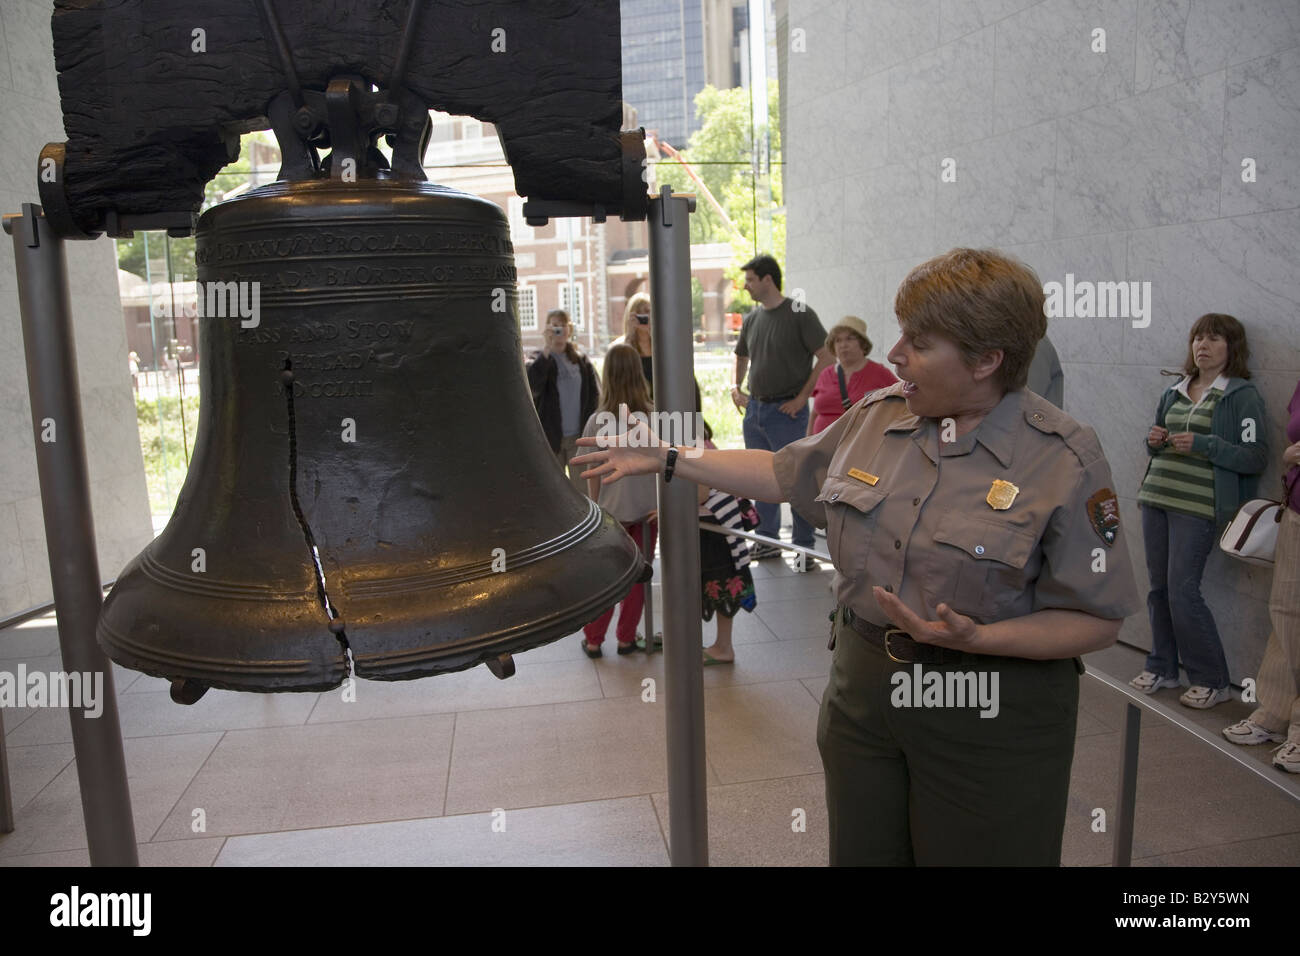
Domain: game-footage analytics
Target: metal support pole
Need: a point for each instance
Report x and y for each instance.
(648, 618)
(674, 385)
(6, 798)
(1126, 803)
(69, 528)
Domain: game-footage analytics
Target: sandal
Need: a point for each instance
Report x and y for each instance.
(591, 650)
(628, 648)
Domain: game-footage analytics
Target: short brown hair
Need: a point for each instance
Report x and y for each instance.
(980, 300)
(1220, 323)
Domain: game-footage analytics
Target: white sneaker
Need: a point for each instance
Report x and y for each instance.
(1149, 683)
(1203, 698)
(1247, 733)
(1288, 757)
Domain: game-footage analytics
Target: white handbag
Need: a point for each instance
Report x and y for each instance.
(1252, 533)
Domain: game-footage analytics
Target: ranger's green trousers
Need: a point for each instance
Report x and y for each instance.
(941, 785)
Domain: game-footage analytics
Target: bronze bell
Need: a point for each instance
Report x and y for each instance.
(370, 489)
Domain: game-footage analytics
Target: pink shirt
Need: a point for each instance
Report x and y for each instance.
(826, 393)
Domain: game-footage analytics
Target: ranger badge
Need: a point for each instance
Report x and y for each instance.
(1001, 495)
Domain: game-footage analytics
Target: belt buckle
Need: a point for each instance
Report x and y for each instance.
(889, 633)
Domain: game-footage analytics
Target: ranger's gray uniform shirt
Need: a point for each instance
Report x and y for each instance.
(780, 344)
(908, 512)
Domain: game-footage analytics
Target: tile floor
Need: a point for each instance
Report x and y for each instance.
(565, 764)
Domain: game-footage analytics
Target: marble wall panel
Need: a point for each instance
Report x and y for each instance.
(821, 219)
(1181, 39)
(1046, 64)
(1243, 624)
(1136, 631)
(29, 124)
(959, 17)
(100, 330)
(878, 35)
(18, 465)
(943, 98)
(1003, 190)
(14, 591)
(860, 134)
(827, 142)
(31, 538)
(1244, 266)
(118, 530)
(811, 131)
(1096, 259)
(1105, 398)
(889, 211)
(833, 293)
(1262, 122)
(819, 68)
(30, 48)
(1149, 160)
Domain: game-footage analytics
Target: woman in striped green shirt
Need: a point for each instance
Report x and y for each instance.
(1207, 449)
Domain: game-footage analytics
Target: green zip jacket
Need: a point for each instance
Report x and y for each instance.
(1237, 464)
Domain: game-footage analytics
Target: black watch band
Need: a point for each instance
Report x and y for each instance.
(670, 464)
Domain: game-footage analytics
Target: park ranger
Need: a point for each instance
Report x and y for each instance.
(978, 547)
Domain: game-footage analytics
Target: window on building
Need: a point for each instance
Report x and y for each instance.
(571, 302)
(526, 308)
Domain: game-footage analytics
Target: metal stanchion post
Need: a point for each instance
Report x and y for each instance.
(70, 529)
(674, 389)
(648, 619)
(1126, 803)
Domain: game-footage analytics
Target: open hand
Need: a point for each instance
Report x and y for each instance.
(1291, 456)
(635, 452)
(739, 399)
(951, 630)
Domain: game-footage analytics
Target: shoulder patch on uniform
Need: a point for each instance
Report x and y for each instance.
(1103, 514)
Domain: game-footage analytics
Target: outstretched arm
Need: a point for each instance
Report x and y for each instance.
(740, 471)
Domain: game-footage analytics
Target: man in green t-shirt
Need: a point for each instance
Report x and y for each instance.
(778, 343)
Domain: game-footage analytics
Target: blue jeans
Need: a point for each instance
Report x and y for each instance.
(771, 429)
(1182, 626)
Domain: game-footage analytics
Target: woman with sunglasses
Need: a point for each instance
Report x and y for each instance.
(636, 333)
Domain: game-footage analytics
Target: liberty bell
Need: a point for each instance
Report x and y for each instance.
(370, 492)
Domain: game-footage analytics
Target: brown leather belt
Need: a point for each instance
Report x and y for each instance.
(899, 645)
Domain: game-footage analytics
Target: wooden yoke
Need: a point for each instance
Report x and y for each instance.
(155, 94)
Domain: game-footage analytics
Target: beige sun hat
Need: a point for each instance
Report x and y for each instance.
(850, 323)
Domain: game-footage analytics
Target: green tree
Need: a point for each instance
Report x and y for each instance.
(720, 152)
